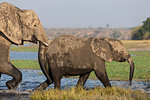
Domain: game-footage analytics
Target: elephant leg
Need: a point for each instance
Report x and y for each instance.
(6, 67)
(57, 84)
(44, 85)
(11, 70)
(57, 80)
(82, 79)
(101, 74)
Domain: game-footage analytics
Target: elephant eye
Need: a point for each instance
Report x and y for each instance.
(35, 25)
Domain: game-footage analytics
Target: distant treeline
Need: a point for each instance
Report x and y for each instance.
(116, 33)
(137, 33)
(142, 32)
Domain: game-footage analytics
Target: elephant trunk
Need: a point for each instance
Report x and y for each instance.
(41, 36)
(130, 61)
(43, 61)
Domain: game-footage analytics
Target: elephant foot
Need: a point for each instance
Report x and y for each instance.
(43, 85)
(12, 85)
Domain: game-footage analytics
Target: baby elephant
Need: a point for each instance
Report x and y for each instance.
(68, 55)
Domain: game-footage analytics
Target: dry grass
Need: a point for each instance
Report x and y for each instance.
(92, 94)
(136, 43)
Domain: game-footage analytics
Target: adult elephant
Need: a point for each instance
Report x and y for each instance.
(17, 26)
(68, 55)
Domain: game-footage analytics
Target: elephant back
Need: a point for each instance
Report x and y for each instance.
(64, 44)
(10, 23)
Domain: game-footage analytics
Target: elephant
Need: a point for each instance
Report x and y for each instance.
(17, 26)
(68, 55)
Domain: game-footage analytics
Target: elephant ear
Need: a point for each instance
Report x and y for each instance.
(10, 24)
(102, 49)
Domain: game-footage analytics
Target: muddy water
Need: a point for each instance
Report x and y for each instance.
(32, 78)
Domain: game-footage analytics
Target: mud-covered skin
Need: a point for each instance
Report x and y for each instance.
(17, 26)
(6, 67)
(68, 55)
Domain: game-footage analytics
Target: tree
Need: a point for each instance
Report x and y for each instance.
(146, 26)
(137, 33)
(146, 36)
(142, 32)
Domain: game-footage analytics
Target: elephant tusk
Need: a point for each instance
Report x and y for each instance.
(45, 44)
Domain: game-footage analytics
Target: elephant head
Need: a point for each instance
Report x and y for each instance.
(112, 50)
(21, 25)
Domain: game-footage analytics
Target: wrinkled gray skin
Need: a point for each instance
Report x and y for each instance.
(68, 55)
(17, 26)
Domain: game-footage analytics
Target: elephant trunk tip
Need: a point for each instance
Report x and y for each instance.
(130, 82)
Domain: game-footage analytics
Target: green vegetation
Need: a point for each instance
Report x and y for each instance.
(33, 48)
(26, 64)
(92, 94)
(120, 71)
(142, 32)
(136, 33)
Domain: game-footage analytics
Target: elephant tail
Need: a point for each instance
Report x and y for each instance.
(130, 61)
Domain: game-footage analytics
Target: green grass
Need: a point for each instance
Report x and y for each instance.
(140, 53)
(120, 70)
(26, 64)
(142, 67)
(92, 94)
(33, 48)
